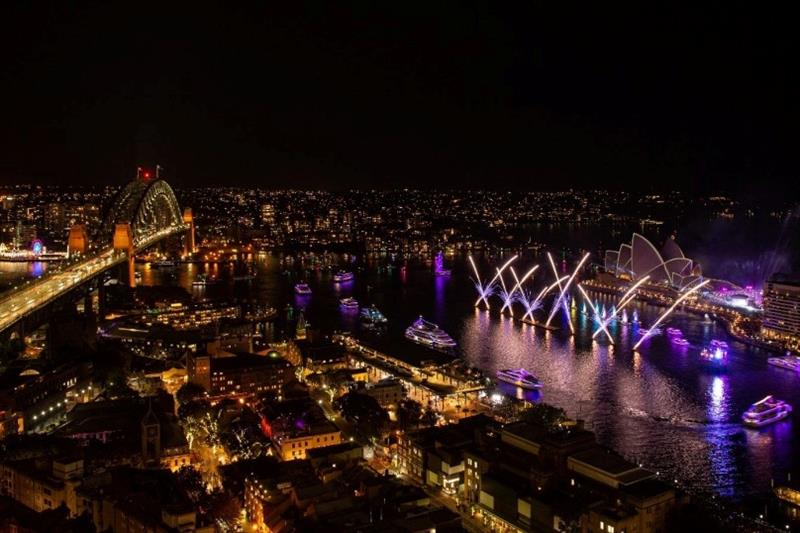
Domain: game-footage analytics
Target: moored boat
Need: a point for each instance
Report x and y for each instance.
(372, 315)
(203, 280)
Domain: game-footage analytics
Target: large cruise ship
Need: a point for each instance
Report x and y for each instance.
(765, 412)
(519, 378)
(428, 333)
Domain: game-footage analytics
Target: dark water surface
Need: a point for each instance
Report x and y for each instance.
(659, 407)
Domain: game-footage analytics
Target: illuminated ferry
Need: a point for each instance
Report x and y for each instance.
(680, 341)
(302, 289)
(714, 357)
(343, 276)
(349, 303)
(765, 412)
(164, 263)
(790, 362)
(372, 315)
(424, 332)
(721, 344)
(674, 331)
(519, 378)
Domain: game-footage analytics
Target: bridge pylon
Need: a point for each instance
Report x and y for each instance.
(123, 240)
(78, 241)
(188, 219)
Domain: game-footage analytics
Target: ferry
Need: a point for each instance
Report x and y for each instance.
(674, 331)
(680, 341)
(519, 378)
(790, 362)
(343, 276)
(203, 280)
(164, 263)
(721, 344)
(349, 303)
(766, 411)
(424, 332)
(372, 315)
(302, 289)
(714, 357)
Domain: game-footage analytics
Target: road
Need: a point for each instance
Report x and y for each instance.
(31, 296)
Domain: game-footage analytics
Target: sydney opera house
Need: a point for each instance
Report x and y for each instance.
(668, 267)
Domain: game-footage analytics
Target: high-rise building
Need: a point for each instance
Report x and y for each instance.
(55, 217)
(268, 214)
(782, 309)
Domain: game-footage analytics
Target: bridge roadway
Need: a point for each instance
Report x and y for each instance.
(19, 303)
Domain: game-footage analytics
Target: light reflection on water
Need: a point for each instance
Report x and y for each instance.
(657, 406)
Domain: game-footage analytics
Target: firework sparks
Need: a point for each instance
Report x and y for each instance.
(669, 311)
(564, 289)
(484, 291)
(594, 310)
(626, 298)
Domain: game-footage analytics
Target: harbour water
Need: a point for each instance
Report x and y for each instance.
(659, 407)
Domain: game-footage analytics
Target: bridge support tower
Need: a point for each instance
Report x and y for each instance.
(188, 219)
(123, 241)
(78, 241)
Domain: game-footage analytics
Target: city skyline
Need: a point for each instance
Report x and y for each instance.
(395, 268)
(499, 97)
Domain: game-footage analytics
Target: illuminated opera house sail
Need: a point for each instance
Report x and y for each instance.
(640, 258)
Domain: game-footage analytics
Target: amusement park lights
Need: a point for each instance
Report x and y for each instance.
(671, 308)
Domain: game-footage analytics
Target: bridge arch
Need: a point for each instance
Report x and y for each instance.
(149, 207)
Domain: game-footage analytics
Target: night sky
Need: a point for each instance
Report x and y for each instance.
(405, 95)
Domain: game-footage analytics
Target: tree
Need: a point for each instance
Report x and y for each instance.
(365, 413)
(119, 388)
(409, 413)
(429, 418)
(188, 392)
(10, 350)
(545, 416)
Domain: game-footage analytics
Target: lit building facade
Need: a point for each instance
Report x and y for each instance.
(782, 310)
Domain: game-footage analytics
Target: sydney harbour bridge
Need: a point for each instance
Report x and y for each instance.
(143, 213)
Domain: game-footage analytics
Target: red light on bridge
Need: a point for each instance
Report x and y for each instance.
(146, 175)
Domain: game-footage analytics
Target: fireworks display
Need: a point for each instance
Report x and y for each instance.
(515, 292)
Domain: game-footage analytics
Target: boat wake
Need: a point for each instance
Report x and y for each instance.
(674, 420)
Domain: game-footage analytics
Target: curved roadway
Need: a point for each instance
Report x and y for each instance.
(20, 302)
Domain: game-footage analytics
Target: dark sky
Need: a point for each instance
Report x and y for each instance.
(408, 94)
